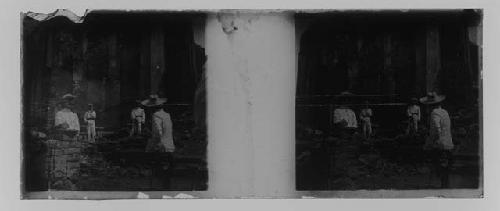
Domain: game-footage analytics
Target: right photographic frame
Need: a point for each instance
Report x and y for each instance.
(389, 100)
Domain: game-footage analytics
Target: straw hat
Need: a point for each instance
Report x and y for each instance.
(154, 100)
(68, 97)
(432, 98)
(346, 93)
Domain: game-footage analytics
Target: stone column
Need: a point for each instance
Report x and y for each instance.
(428, 59)
(389, 85)
(420, 61)
(433, 58)
(113, 73)
(157, 57)
(144, 72)
(112, 84)
(250, 87)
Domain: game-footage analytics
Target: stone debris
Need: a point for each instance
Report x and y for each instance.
(117, 161)
(369, 159)
(387, 156)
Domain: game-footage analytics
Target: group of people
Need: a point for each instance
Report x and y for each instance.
(438, 140)
(67, 122)
(344, 118)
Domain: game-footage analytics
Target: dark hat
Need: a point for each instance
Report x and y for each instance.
(68, 97)
(432, 98)
(346, 93)
(154, 100)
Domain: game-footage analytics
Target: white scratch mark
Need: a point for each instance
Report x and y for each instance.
(142, 195)
(308, 197)
(183, 196)
(434, 197)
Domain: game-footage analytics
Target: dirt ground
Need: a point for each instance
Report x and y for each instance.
(381, 162)
(119, 162)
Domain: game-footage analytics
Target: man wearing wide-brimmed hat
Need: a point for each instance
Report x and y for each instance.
(65, 119)
(440, 124)
(439, 139)
(162, 137)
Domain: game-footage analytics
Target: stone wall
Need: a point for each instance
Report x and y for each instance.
(64, 157)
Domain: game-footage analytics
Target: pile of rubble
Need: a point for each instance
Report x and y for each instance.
(364, 164)
(63, 163)
(122, 160)
(118, 161)
(390, 159)
(465, 130)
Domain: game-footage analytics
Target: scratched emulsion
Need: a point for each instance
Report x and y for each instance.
(250, 72)
(251, 75)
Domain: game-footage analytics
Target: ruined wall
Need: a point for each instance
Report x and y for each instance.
(63, 161)
(108, 62)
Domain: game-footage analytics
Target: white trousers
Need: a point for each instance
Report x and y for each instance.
(91, 130)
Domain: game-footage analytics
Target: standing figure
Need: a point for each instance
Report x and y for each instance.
(89, 118)
(344, 126)
(439, 140)
(138, 119)
(413, 112)
(365, 117)
(344, 118)
(66, 121)
(162, 133)
(65, 166)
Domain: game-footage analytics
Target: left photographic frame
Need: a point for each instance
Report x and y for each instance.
(113, 101)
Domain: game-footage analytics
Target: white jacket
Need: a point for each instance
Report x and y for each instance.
(346, 114)
(440, 130)
(68, 117)
(162, 130)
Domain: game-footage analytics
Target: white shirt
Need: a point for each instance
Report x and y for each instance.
(162, 130)
(90, 116)
(346, 114)
(67, 116)
(365, 114)
(138, 114)
(414, 111)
